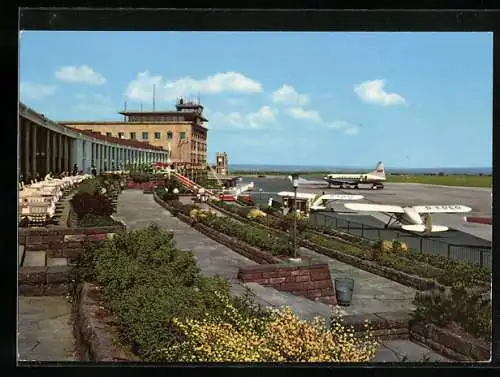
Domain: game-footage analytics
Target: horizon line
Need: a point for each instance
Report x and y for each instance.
(360, 166)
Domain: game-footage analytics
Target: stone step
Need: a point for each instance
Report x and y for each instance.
(21, 254)
(34, 259)
(57, 261)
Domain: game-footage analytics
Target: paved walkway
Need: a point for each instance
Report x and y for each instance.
(372, 293)
(45, 331)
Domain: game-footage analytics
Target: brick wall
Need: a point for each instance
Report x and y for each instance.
(63, 242)
(311, 281)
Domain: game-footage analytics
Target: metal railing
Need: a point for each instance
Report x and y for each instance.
(474, 254)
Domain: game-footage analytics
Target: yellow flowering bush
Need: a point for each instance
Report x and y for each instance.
(394, 245)
(279, 337)
(254, 213)
(199, 213)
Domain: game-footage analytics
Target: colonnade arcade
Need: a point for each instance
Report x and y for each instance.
(43, 149)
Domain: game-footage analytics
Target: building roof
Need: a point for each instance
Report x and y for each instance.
(185, 114)
(116, 140)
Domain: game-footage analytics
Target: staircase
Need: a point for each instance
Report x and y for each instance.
(190, 185)
(38, 259)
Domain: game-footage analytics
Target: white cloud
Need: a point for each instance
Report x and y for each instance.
(141, 89)
(345, 127)
(373, 92)
(82, 74)
(36, 91)
(259, 119)
(288, 96)
(305, 115)
(264, 116)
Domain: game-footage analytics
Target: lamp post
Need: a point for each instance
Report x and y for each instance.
(295, 182)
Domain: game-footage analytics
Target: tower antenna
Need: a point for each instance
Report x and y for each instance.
(125, 110)
(154, 96)
(141, 107)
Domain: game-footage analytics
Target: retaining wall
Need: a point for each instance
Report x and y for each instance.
(60, 242)
(46, 281)
(310, 281)
(458, 347)
(94, 328)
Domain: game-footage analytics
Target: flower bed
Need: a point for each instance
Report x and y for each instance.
(252, 235)
(166, 311)
(95, 201)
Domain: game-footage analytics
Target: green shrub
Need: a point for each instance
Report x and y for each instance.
(84, 203)
(172, 184)
(254, 236)
(140, 176)
(459, 305)
(185, 209)
(148, 281)
(90, 186)
(92, 220)
(169, 197)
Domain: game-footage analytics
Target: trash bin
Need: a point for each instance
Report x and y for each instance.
(343, 291)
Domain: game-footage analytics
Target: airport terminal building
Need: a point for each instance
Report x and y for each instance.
(181, 131)
(46, 146)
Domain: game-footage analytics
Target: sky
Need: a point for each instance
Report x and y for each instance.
(415, 100)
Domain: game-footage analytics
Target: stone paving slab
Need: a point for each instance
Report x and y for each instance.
(45, 331)
(57, 261)
(34, 259)
(372, 294)
(406, 351)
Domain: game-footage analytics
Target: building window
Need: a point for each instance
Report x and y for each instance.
(121, 135)
(145, 136)
(157, 135)
(108, 133)
(133, 136)
(169, 135)
(183, 135)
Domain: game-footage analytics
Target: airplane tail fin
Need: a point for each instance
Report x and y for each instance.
(379, 170)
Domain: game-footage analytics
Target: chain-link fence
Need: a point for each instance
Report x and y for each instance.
(480, 255)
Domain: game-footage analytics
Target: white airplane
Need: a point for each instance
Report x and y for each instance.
(410, 217)
(375, 178)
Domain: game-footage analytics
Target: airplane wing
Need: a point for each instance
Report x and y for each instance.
(362, 207)
(325, 198)
(442, 209)
(300, 195)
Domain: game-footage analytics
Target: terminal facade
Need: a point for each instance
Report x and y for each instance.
(182, 132)
(45, 146)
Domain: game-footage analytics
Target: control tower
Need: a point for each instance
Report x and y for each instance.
(221, 164)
